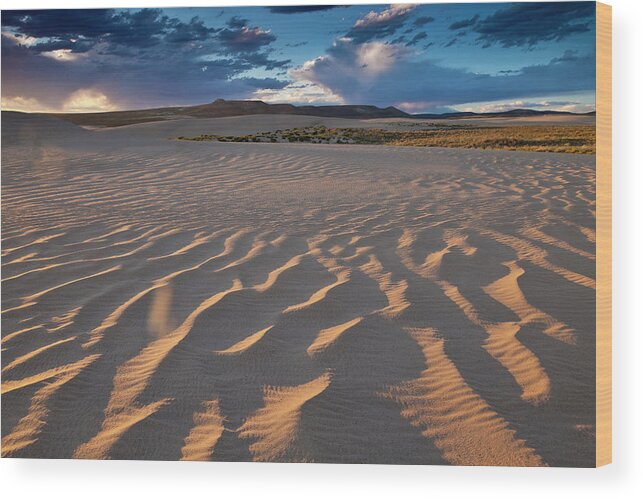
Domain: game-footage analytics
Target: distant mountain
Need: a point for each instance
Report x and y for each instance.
(221, 108)
(514, 113)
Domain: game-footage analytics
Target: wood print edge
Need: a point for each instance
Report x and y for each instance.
(603, 234)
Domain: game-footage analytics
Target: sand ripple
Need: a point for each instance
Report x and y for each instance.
(287, 302)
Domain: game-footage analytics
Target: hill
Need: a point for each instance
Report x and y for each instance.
(223, 108)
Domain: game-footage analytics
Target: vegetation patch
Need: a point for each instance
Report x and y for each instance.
(578, 139)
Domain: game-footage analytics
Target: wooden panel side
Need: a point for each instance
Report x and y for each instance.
(603, 234)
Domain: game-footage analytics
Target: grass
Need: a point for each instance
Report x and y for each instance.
(580, 139)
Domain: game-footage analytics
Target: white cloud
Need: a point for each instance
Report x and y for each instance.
(377, 57)
(87, 100)
(299, 93)
(577, 108)
(386, 16)
(84, 100)
(65, 55)
(24, 104)
(349, 69)
(543, 105)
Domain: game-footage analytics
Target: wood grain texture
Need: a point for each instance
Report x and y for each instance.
(604, 234)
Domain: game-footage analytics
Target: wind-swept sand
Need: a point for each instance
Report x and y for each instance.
(164, 299)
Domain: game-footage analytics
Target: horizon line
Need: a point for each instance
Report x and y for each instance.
(455, 112)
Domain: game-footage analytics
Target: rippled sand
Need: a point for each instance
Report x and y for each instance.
(283, 302)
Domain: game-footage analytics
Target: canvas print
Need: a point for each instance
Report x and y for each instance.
(315, 233)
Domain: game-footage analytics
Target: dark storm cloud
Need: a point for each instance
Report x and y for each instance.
(149, 27)
(193, 31)
(79, 30)
(137, 58)
(568, 55)
(527, 24)
(421, 21)
(124, 32)
(465, 23)
(132, 82)
(60, 23)
(261, 59)
(237, 22)
(269, 83)
(414, 41)
(302, 9)
(140, 34)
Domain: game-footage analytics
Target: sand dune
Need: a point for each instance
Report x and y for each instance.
(165, 299)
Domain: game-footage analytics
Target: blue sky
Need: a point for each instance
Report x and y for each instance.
(420, 58)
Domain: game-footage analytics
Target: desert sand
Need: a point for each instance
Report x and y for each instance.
(169, 300)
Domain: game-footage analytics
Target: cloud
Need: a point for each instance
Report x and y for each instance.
(87, 100)
(465, 23)
(261, 59)
(384, 74)
(153, 77)
(88, 23)
(79, 30)
(146, 58)
(421, 21)
(527, 24)
(236, 22)
(84, 100)
(302, 9)
(376, 57)
(270, 84)
(419, 36)
(141, 58)
(394, 12)
(245, 39)
(375, 25)
(568, 55)
(25, 104)
(545, 105)
(135, 34)
(66, 55)
(194, 30)
(299, 93)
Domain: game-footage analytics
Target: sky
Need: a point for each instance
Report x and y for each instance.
(420, 58)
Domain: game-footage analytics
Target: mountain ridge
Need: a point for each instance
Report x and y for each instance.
(221, 108)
